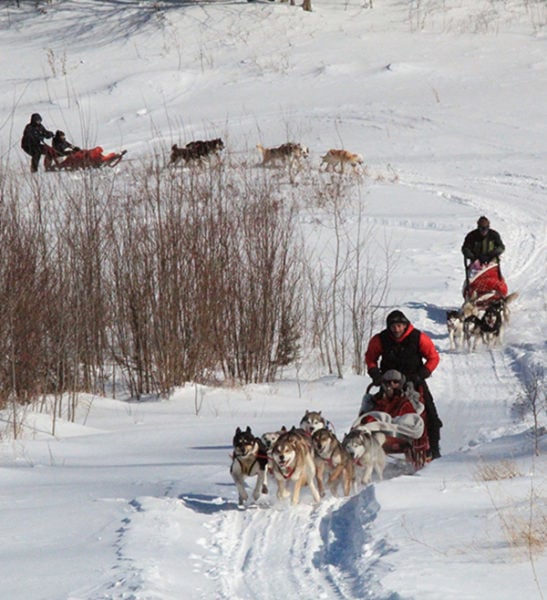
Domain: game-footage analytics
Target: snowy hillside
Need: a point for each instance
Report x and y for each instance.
(447, 103)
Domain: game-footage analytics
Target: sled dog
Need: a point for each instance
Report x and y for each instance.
(491, 325)
(332, 459)
(269, 438)
(472, 332)
(196, 150)
(341, 159)
(249, 459)
(312, 421)
(454, 324)
(365, 448)
(292, 460)
(289, 153)
(505, 302)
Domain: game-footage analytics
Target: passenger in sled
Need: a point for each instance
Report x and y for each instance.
(398, 411)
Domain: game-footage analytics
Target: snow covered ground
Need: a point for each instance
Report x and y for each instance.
(447, 102)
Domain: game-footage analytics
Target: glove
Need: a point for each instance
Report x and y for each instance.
(424, 372)
(484, 259)
(376, 375)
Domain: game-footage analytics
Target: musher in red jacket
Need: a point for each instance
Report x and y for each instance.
(402, 347)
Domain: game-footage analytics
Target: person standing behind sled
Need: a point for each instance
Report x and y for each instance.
(483, 244)
(402, 347)
(32, 141)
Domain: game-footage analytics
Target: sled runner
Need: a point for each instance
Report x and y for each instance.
(484, 283)
(403, 425)
(93, 158)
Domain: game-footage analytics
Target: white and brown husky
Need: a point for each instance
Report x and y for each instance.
(365, 448)
(332, 459)
(292, 460)
(312, 421)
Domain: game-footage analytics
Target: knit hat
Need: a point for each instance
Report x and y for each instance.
(393, 375)
(483, 222)
(396, 316)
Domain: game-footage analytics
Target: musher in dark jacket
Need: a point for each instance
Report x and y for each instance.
(32, 141)
(483, 244)
(404, 348)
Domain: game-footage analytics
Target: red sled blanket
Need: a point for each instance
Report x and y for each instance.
(85, 159)
(484, 283)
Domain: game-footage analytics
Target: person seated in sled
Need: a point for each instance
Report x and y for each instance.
(483, 244)
(397, 398)
(402, 347)
(32, 141)
(61, 145)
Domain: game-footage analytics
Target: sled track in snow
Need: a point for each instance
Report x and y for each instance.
(311, 552)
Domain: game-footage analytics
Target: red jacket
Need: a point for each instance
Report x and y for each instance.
(426, 349)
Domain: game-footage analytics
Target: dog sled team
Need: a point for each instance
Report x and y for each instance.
(62, 155)
(398, 419)
(486, 308)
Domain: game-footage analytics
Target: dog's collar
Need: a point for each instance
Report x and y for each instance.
(289, 471)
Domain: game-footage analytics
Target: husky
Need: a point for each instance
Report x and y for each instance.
(472, 332)
(454, 323)
(365, 448)
(341, 158)
(312, 421)
(292, 460)
(196, 150)
(504, 303)
(269, 438)
(249, 459)
(333, 459)
(491, 325)
(288, 153)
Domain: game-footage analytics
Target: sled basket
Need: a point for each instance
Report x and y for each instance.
(484, 284)
(93, 158)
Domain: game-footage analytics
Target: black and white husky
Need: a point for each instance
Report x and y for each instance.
(249, 459)
(454, 324)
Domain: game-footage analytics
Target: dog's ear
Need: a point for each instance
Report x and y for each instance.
(238, 431)
(283, 429)
(248, 430)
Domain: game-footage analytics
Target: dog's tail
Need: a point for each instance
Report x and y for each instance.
(260, 148)
(511, 297)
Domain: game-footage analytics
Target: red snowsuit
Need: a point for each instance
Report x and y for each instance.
(426, 350)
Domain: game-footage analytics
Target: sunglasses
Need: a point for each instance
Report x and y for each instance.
(484, 229)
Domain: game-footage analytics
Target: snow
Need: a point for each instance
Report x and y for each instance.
(446, 101)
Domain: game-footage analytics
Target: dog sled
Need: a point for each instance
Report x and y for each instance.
(403, 425)
(483, 284)
(93, 158)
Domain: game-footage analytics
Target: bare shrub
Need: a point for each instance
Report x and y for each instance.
(345, 296)
(532, 400)
(501, 470)
(171, 275)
